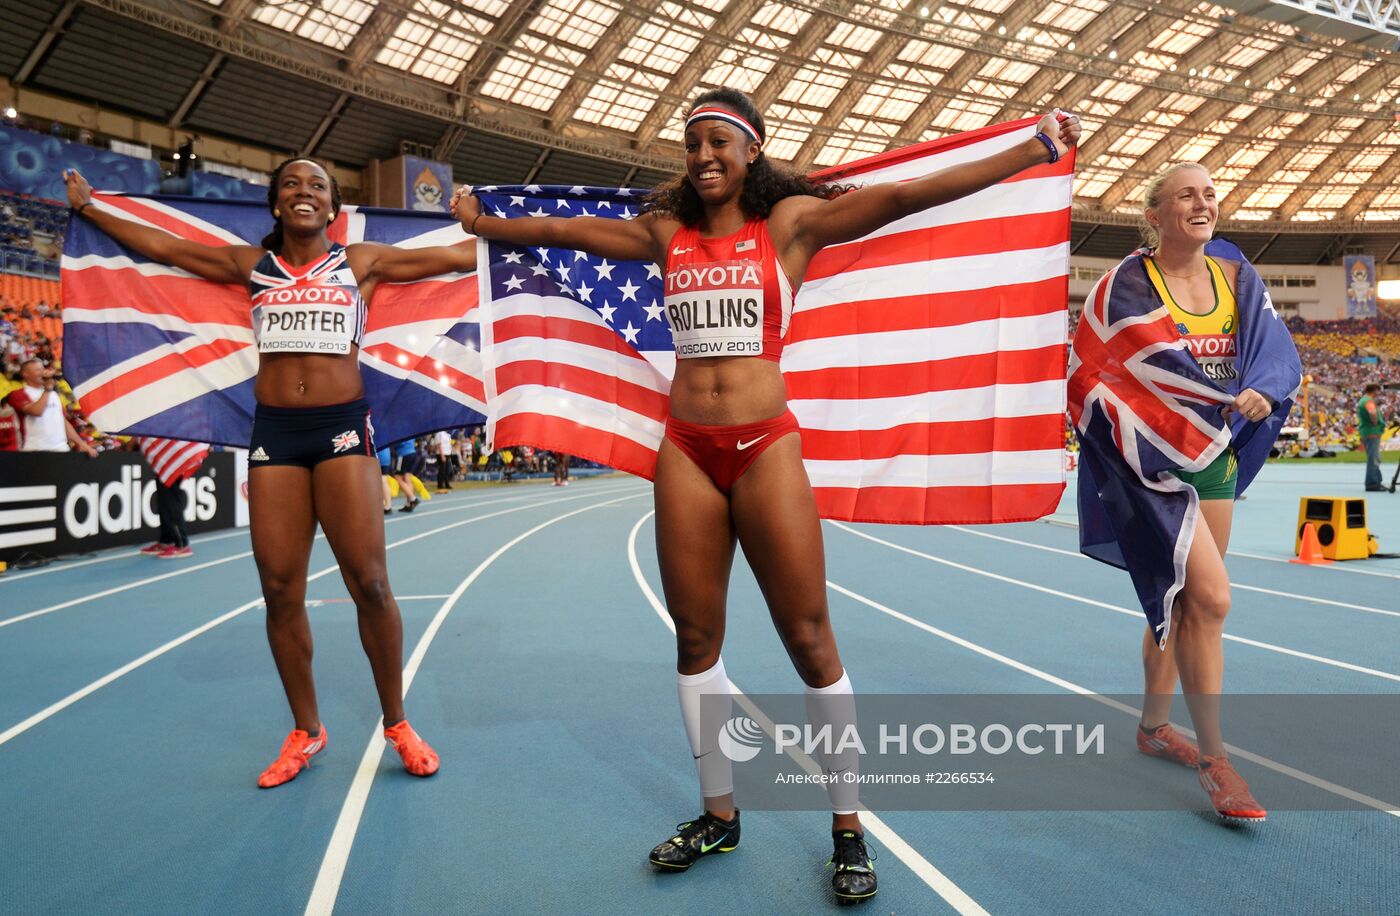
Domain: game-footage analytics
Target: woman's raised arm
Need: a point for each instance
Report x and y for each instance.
(389, 264)
(222, 264)
(820, 223)
(624, 240)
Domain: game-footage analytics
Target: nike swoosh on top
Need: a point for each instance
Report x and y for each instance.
(706, 847)
(743, 445)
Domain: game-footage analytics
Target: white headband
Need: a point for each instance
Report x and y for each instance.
(721, 114)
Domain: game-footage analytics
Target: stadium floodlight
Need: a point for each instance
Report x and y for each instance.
(11, 113)
(1388, 290)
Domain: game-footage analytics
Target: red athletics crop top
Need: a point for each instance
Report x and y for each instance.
(727, 296)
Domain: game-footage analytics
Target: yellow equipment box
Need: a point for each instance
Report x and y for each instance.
(1340, 524)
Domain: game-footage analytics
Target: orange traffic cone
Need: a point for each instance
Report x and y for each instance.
(1310, 551)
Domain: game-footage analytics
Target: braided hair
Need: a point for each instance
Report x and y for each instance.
(273, 240)
(764, 186)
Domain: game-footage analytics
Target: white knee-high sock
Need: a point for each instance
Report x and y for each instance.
(835, 706)
(714, 769)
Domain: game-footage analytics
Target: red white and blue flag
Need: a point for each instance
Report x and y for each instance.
(924, 362)
(154, 350)
(1144, 410)
(172, 459)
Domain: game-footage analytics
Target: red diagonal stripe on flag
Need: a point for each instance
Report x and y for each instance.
(158, 371)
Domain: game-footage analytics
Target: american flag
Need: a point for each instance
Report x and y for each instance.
(1144, 410)
(152, 349)
(172, 459)
(924, 362)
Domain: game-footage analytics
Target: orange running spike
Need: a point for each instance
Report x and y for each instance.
(418, 758)
(295, 756)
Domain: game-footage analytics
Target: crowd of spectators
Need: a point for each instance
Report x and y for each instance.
(31, 235)
(1342, 357)
(28, 331)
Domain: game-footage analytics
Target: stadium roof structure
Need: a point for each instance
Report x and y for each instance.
(1292, 104)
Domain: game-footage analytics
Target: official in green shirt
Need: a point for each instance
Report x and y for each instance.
(1370, 423)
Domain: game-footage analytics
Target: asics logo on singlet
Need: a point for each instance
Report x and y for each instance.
(743, 445)
(741, 739)
(259, 455)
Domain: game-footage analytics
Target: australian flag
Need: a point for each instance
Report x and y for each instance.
(1144, 409)
(151, 349)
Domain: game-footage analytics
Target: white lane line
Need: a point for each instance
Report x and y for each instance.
(940, 883)
(185, 570)
(1242, 587)
(1334, 567)
(60, 565)
(322, 602)
(1065, 521)
(1328, 601)
(22, 727)
(1266, 762)
(332, 871)
(182, 571)
(1321, 659)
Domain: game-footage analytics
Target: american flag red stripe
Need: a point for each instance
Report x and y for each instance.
(172, 459)
(990, 236)
(904, 313)
(925, 362)
(977, 371)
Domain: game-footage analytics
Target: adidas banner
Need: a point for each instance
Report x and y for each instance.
(70, 503)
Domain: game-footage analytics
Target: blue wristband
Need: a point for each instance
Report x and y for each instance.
(1050, 145)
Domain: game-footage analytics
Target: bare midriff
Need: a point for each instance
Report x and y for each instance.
(727, 390)
(308, 379)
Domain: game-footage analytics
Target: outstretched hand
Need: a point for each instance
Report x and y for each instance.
(465, 206)
(79, 191)
(1063, 129)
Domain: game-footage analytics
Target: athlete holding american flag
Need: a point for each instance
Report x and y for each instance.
(736, 235)
(312, 451)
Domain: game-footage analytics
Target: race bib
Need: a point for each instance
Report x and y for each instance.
(306, 319)
(716, 309)
(1216, 355)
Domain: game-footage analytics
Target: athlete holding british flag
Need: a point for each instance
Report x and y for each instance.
(312, 454)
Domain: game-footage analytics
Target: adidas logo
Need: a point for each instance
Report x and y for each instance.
(259, 455)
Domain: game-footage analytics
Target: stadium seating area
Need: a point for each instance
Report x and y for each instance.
(31, 235)
(30, 323)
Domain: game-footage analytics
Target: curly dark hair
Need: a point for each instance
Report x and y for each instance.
(764, 186)
(273, 240)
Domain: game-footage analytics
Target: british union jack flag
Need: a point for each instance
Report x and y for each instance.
(153, 350)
